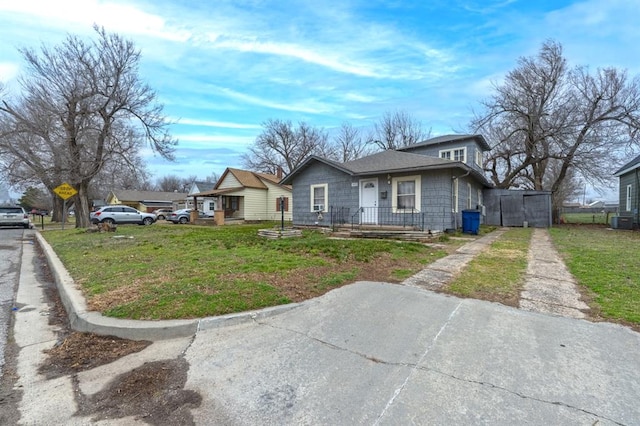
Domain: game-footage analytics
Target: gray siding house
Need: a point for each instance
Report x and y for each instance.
(629, 190)
(425, 186)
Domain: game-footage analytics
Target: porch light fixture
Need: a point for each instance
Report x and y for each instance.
(388, 179)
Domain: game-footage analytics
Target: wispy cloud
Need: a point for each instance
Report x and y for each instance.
(217, 124)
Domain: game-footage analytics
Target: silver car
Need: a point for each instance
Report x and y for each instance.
(122, 215)
(14, 216)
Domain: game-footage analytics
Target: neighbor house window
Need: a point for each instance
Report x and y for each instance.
(628, 198)
(319, 197)
(459, 154)
(406, 193)
(454, 200)
(468, 195)
(286, 204)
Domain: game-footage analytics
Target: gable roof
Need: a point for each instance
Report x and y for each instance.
(631, 165)
(389, 161)
(247, 179)
(480, 140)
(203, 186)
(140, 196)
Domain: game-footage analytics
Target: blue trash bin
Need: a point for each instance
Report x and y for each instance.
(470, 221)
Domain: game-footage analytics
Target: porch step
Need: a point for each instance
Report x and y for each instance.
(398, 235)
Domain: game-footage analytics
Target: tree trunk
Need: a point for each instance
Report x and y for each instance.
(82, 210)
(56, 213)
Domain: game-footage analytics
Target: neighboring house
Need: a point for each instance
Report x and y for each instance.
(250, 196)
(629, 190)
(426, 186)
(147, 201)
(207, 205)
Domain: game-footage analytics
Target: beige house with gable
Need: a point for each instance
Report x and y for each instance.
(250, 196)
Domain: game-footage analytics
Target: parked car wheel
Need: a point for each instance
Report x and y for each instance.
(160, 217)
(109, 221)
(26, 226)
(183, 220)
(147, 221)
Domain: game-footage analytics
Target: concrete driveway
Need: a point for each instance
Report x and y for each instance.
(375, 353)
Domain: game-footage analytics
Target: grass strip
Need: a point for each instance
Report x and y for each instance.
(496, 274)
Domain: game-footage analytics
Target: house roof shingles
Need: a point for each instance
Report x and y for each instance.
(631, 165)
(389, 161)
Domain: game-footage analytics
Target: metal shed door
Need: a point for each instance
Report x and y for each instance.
(511, 210)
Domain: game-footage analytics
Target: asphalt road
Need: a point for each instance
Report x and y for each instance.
(11, 240)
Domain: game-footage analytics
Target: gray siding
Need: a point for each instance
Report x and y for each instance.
(632, 178)
(343, 189)
(340, 191)
(434, 150)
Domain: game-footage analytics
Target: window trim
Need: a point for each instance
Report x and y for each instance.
(469, 195)
(451, 153)
(454, 196)
(478, 158)
(628, 200)
(417, 195)
(325, 187)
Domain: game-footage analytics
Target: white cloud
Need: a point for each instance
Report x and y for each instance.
(116, 17)
(307, 106)
(8, 71)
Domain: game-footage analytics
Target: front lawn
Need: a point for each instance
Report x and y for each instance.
(171, 271)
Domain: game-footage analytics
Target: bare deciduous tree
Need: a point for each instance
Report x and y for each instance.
(549, 123)
(349, 144)
(281, 145)
(397, 130)
(82, 105)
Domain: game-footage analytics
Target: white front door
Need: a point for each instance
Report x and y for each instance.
(369, 201)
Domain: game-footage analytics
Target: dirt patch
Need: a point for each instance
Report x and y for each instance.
(84, 351)
(153, 393)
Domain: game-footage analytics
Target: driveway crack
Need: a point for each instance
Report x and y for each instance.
(518, 394)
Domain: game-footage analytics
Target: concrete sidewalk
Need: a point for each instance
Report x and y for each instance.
(549, 287)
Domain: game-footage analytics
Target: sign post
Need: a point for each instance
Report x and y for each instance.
(65, 191)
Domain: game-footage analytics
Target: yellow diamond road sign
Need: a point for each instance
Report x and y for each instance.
(65, 191)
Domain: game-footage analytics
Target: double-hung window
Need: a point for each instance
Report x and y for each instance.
(468, 195)
(628, 200)
(319, 197)
(458, 154)
(406, 194)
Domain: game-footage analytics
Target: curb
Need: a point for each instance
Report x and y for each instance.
(83, 320)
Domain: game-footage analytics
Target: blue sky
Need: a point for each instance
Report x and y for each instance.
(222, 68)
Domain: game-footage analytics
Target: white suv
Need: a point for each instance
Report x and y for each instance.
(14, 216)
(120, 215)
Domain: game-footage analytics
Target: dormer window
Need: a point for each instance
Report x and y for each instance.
(456, 154)
(478, 158)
